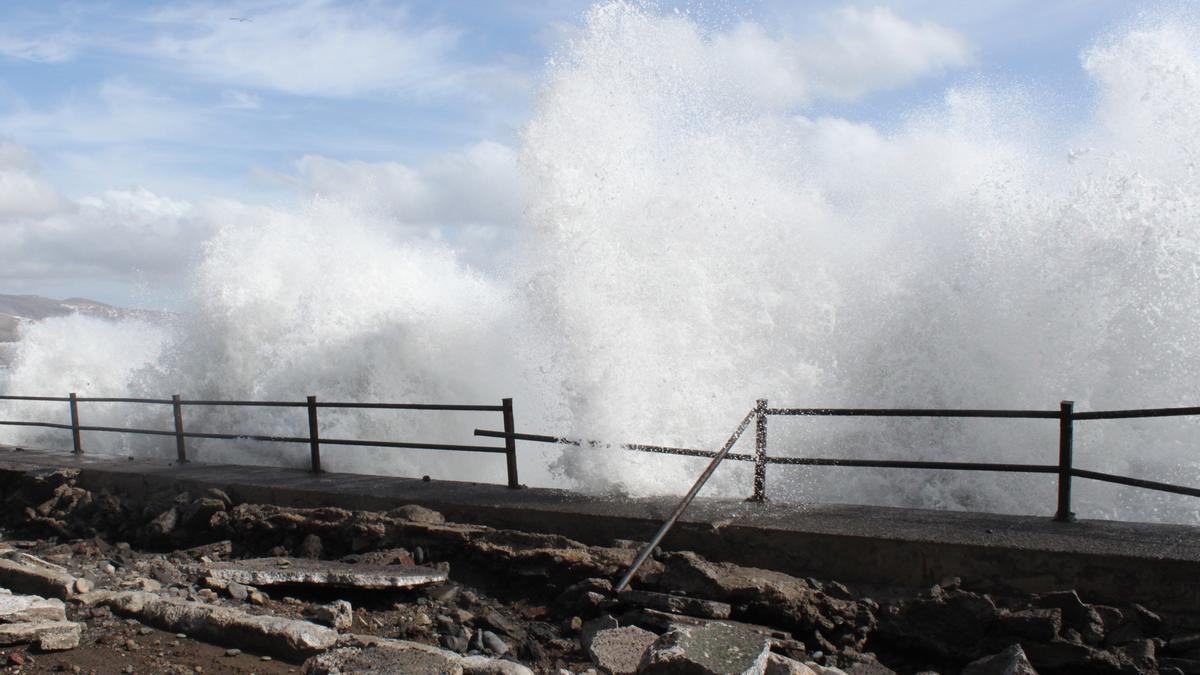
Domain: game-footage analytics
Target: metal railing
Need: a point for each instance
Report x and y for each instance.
(1064, 468)
(313, 439)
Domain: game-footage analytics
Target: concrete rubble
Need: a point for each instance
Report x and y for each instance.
(283, 570)
(338, 591)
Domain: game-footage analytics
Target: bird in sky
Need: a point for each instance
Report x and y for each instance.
(240, 19)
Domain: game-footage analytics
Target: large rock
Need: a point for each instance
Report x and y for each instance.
(782, 665)
(384, 657)
(769, 597)
(714, 649)
(619, 650)
(275, 571)
(678, 604)
(1036, 624)
(27, 574)
(50, 636)
(21, 608)
(288, 638)
(949, 625)
(1075, 614)
(1011, 661)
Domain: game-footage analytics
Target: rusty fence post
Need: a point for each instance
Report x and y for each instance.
(314, 439)
(180, 443)
(760, 452)
(510, 443)
(1066, 451)
(75, 424)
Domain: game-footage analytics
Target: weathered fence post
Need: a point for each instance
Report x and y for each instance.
(760, 452)
(314, 439)
(180, 444)
(510, 443)
(1066, 440)
(75, 424)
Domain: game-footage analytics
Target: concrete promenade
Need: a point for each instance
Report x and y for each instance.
(1155, 564)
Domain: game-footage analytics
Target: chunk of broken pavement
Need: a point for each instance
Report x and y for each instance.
(619, 651)
(677, 604)
(27, 574)
(1011, 661)
(274, 571)
(713, 649)
(22, 608)
(782, 665)
(49, 635)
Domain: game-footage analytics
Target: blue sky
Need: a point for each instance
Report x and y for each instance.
(121, 121)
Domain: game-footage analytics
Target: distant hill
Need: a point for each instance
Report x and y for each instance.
(18, 309)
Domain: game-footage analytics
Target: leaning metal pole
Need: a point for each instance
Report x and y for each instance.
(683, 504)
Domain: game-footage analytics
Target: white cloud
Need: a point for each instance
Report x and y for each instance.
(117, 111)
(314, 48)
(56, 48)
(479, 185)
(116, 235)
(23, 192)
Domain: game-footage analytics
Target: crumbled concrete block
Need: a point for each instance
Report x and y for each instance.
(275, 571)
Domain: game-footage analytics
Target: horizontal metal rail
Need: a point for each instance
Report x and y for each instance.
(313, 438)
(912, 412)
(1136, 482)
(414, 406)
(640, 447)
(1145, 412)
(48, 425)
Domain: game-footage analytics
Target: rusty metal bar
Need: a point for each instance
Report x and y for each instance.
(760, 452)
(59, 399)
(314, 439)
(683, 503)
(75, 436)
(1066, 451)
(180, 443)
(510, 443)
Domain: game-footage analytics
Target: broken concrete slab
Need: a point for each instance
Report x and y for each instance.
(288, 638)
(384, 657)
(373, 655)
(619, 651)
(676, 604)
(24, 573)
(714, 649)
(276, 571)
(782, 665)
(482, 665)
(23, 608)
(1011, 661)
(50, 636)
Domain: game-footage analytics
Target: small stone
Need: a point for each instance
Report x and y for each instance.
(131, 645)
(258, 598)
(232, 652)
(493, 643)
(16, 659)
(339, 615)
(84, 585)
(237, 591)
(265, 658)
(311, 547)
